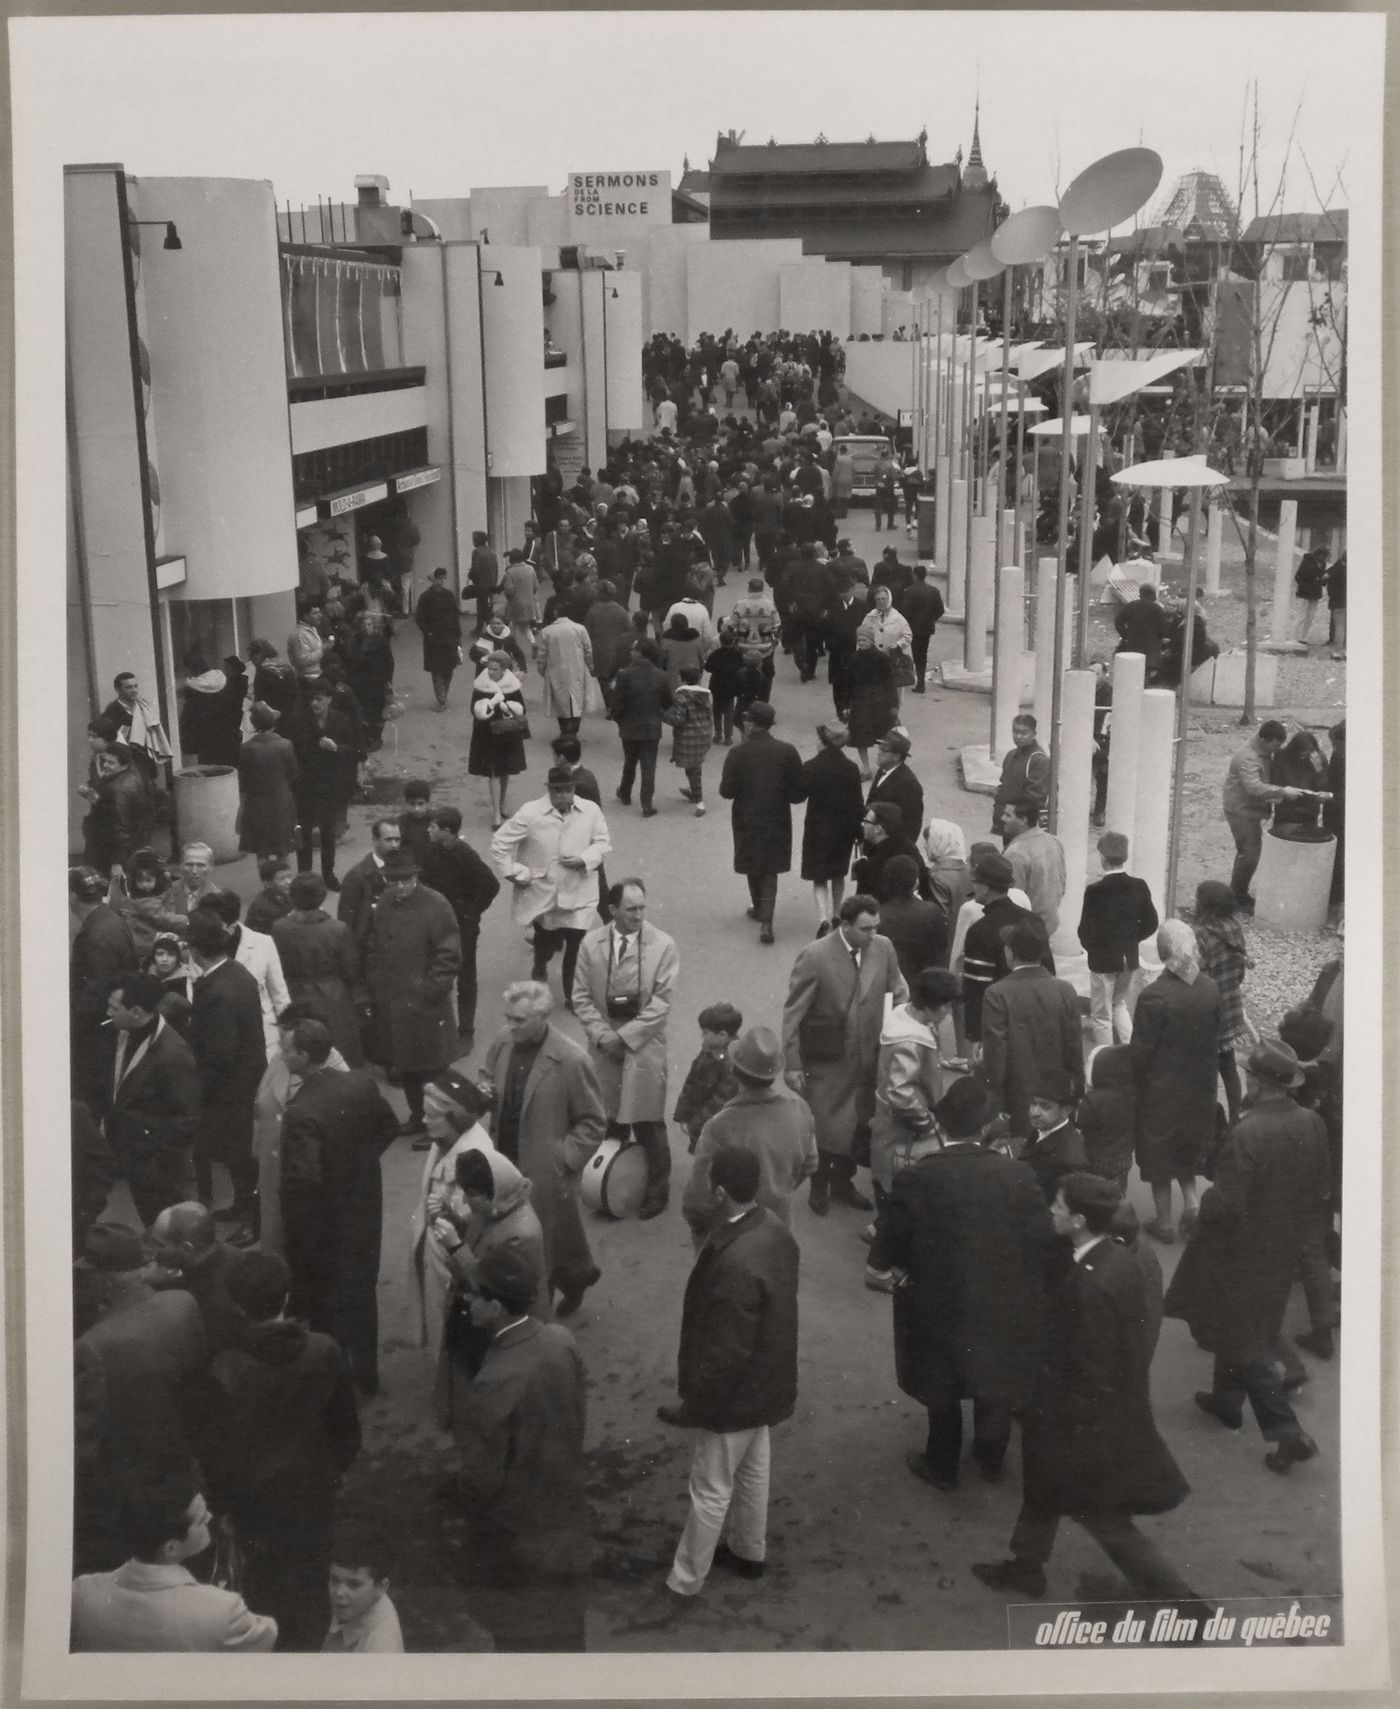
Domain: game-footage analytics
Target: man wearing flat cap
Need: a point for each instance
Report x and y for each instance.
(969, 1230)
(894, 780)
(1090, 1450)
(413, 951)
(764, 1117)
(1269, 1198)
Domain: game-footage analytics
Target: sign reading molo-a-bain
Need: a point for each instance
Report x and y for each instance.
(605, 208)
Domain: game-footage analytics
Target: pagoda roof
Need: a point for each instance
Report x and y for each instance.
(1328, 227)
(932, 184)
(815, 159)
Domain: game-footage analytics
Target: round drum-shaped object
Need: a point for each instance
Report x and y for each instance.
(614, 1180)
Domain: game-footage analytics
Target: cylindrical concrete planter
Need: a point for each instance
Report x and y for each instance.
(206, 808)
(1293, 881)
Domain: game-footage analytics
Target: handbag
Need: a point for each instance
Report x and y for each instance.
(510, 724)
(905, 675)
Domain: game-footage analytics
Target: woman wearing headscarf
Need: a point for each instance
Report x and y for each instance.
(453, 1107)
(889, 630)
(945, 852)
(497, 754)
(1176, 1057)
(495, 1197)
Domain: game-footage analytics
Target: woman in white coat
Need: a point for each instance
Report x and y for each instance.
(891, 633)
(453, 1107)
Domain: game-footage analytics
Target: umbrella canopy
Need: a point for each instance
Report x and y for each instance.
(1111, 381)
(1170, 472)
(1110, 191)
(1078, 428)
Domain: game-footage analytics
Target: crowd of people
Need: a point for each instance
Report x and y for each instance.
(235, 1068)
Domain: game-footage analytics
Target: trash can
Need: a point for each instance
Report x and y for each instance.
(206, 808)
(925, 514)
(1294, 879)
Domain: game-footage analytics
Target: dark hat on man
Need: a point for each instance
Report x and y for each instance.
(1085, 1192)
(402, 863)
(758, 1054)
(762, 714)
(1272, 1060)
(897, 742)
(1306, 1032)
(1054, 1085)
(112, 1247)
(86, 884)
(993, 869)
(509, 1274)
(965, 1108)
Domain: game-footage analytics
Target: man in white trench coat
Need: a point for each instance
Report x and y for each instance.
(622, 994)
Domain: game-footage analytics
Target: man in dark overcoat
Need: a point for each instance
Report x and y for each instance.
(230, 1052)
(440, 621)
(413, 952)
(101, 948)
(336, 1127)
(324, 741)
(150, 1104)
(1270, 1196)
(364, 884)
(894, 781)
(1030, 1025)
(736, 1373)
(1090, 1448)
(969, 1230)
(763, 778)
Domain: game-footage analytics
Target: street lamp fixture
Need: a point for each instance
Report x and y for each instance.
(172, 237)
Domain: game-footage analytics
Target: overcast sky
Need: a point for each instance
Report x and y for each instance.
(440, 103)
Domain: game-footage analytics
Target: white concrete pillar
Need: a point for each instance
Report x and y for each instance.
(1310, 438)
(1009, 642)
(1164, 521)
(1124, 762)
(1076, 787)
(1152, 814)
(1281, 623)
(981, 585)
(957, 548)
(942, 479)
(1008, 546)
(1215, 538)
(1045, 571)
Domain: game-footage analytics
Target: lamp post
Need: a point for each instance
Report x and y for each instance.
(1105, 194)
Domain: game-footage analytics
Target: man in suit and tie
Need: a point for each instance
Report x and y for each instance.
(151, 1108)
(623, 987)
(1030, 1026)
(336, 1128)
(226, 1037)
(831, 1026)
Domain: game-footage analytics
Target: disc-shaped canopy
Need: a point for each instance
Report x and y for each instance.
(1172, 472)
(1110, 191)
(981, 263)
(1053, 429)
(1026, 236)
(958, 276)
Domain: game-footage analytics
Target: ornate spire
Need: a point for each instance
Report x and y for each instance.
(975, 177)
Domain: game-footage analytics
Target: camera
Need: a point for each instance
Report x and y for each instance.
(624, 1008)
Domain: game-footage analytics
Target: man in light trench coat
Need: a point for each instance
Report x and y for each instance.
(831, 1026)
(623, 987)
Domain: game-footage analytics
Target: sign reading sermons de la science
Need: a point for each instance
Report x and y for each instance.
(605, 208)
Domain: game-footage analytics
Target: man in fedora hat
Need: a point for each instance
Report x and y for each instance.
(1090, 1449)
(762, 1117)
(894, 781)
(1056, 1147)
(1269, 1199)
(968, 1228)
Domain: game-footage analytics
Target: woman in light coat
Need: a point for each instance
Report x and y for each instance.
(890, 632)
(564, 655)
(496, 694)
(910, 1079)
